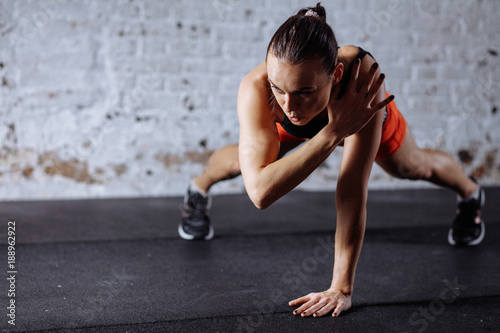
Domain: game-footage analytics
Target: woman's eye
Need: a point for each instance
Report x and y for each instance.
(277, 89)
(305, 93)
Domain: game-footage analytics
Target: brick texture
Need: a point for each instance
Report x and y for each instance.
(128, 98)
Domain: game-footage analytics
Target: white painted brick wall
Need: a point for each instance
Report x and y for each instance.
(126, 98)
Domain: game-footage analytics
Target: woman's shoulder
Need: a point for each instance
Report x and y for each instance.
(348, 53)
(257, 77)
(255, 93)
(256, 84)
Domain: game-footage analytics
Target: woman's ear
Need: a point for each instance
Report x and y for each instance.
(338, 72)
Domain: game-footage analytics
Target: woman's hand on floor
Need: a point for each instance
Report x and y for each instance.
(319, 304)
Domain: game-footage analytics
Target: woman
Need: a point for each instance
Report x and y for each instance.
(312, 92)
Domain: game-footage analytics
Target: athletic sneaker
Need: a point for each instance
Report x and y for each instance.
(468, 227)
(195, 220)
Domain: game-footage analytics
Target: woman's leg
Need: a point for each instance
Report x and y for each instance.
(224, 164)
(196, 223)
(440, 168)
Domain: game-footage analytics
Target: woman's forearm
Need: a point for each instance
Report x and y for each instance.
(276, 179)
(349, 234)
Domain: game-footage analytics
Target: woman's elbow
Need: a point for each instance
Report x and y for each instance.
(260, 198)
(256, 189)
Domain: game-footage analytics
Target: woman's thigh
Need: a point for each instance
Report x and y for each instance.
(409, 161)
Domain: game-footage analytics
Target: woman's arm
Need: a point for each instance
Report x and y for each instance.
(359, 154)
(266, 178)
(350, 197)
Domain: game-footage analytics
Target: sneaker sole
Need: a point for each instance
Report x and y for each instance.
(474, 242)
(187, 236)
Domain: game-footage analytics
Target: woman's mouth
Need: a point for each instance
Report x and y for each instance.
(294, 119)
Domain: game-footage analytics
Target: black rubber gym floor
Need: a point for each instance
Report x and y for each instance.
(119, 266)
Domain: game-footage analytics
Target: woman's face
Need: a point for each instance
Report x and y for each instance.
(302, 91)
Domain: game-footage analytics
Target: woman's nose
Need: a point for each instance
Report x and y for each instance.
(288, 103)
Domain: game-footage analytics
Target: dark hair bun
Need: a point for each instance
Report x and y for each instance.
(318, 9)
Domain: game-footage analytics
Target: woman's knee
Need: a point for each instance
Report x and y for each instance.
(420, 172)
(418, 166)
